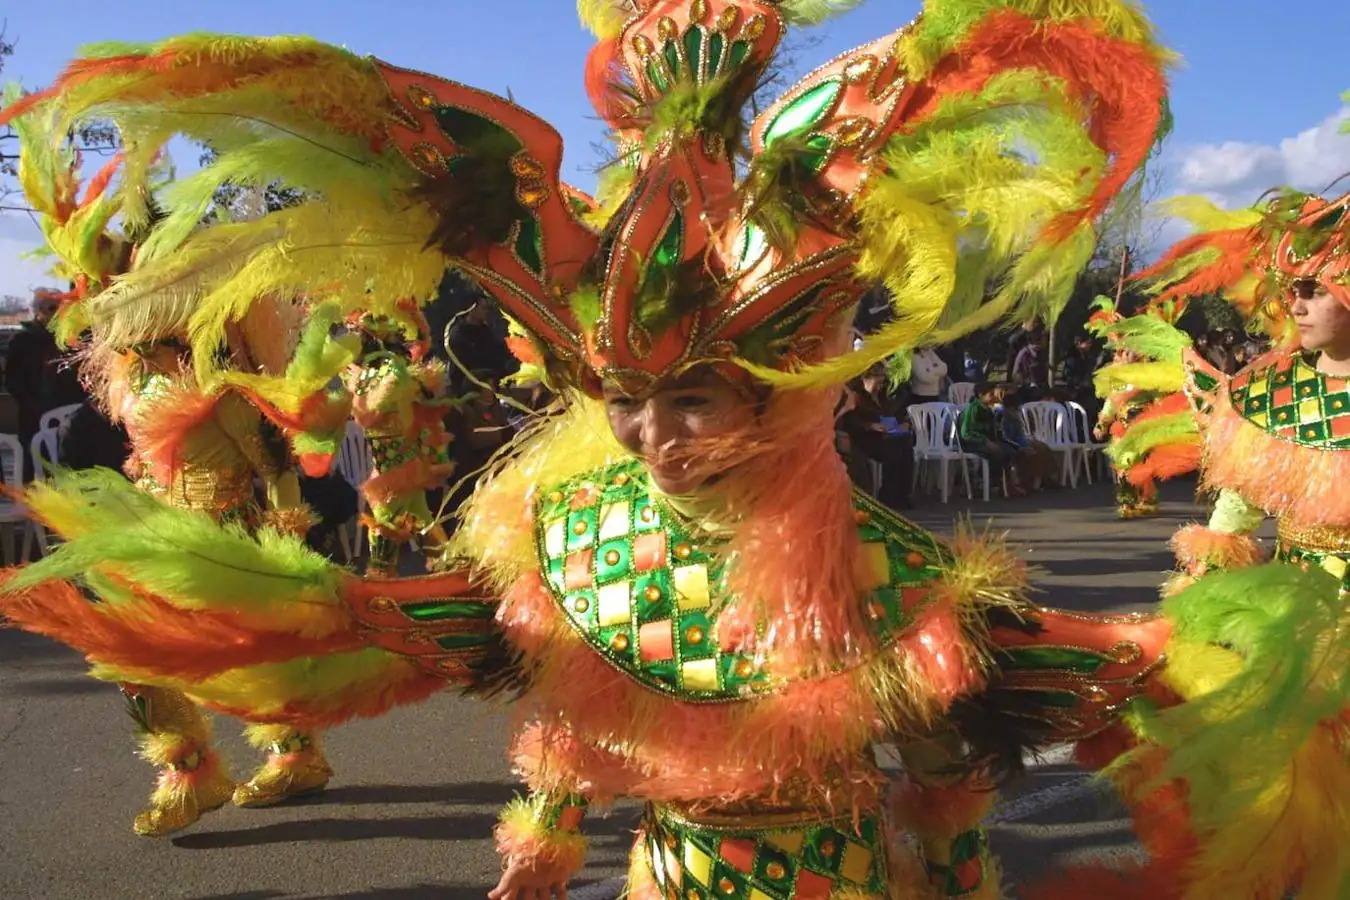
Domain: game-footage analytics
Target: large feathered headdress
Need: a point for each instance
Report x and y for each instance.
(1257, 258)
(961, 161)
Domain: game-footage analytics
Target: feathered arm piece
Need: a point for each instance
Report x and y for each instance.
(974, 149)
(262, 628)
(398, 175)
(74, 227)
(1262, 658)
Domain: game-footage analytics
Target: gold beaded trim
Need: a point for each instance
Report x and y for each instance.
(1316, 538)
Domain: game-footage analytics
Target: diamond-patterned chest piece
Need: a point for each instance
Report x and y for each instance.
(644, 591)
(1293, 401)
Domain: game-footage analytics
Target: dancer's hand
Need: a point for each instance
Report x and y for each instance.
(525, 882)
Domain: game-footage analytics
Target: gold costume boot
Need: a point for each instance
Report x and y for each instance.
(295, 766)
(177, 737)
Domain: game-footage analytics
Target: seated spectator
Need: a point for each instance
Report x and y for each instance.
(980, 434)
(871, 432)
(1034, 461)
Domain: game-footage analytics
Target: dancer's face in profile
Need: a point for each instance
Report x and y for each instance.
(663, 426)
(1323, 321)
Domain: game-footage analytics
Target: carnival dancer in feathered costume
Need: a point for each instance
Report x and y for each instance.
(674, 574)
(399, 400)
(1144, 413)
(1261, 653)
(192, 448)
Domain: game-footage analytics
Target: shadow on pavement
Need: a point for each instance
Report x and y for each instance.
(470, 793)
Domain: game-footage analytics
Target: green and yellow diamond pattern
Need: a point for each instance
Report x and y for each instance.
(1291, 400)
(810, 861)
(644, 590)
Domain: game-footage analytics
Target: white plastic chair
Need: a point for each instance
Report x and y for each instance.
(1048, 422)
(46, 454)
(58, 418)
(936, 440)
(12, 512)
(961, 393)
(354, 463)
(1080, 435)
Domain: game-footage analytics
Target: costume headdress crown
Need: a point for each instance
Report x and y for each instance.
(1255, 257)
(960, 161)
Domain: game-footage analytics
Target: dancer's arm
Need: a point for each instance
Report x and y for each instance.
(540, 841)
(1225, 542)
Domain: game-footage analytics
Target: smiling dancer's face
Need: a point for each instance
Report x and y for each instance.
(660, 427)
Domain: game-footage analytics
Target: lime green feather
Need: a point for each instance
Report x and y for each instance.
(1288, 628)
(1142, 437)
(1162, 377)
(181, 555)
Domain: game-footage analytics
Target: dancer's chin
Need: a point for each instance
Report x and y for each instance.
(675, 479)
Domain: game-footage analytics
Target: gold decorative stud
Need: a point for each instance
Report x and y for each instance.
(744, 668)
(666, 29)
(382, 605)
(1126, 652)
(854, 131)
(581, 604)
(827, 848)
(648, 514)
(555, 496)
(679, 192)
(653, 593)
(915, 560)
(523, 165)
(579, 526)
(693, 635)
(862, 516)
(726, 886)
(532, 194)
(775, 870)
(683, 551)
(421, 97)
(621, 479)
(619, 642)
(428, 157)
(612, 557)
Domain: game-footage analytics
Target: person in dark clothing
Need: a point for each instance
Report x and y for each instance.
(91, 440)
(38, 373)
(334, 503)
(1080, 365)
(1030, 368)
(477, 339)
(981, 434)
(872, 433)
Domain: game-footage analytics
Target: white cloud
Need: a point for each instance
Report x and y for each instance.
(1236, 173)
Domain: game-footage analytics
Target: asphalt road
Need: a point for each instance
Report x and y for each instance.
(416, 792)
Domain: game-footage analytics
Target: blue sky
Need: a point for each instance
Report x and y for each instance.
(1256, 99)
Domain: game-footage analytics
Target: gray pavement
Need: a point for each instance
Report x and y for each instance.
(416, 792)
